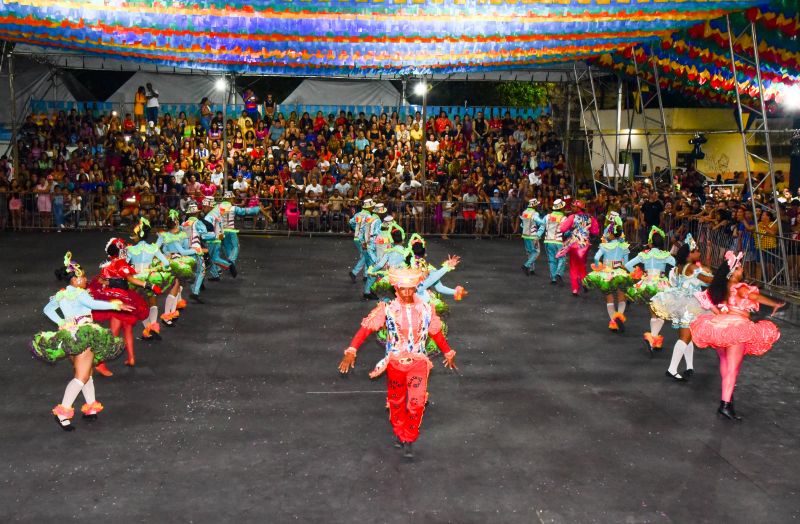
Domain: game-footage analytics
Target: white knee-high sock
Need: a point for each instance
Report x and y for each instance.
(88, 391)
(677, 354)
(180, 293)
(611, 310)
(689, 355)
(170, 305)
(621, 307)
(74, 388)
(655, 326)
(153, 316)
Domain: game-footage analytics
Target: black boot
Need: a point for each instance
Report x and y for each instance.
(408, 451)
(352, 277)
(397, 443)
(526, 270)
(232, 269)
(727, 411)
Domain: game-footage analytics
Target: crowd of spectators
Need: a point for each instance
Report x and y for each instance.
(450, 174)
(98, 170)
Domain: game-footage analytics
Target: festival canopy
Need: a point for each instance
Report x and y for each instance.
(697, 61)
(361, 37)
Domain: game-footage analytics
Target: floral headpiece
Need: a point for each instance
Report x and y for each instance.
(653, 231)
(734, 261)
(405, 277)
(689, 240)
(72, 267)
(139, 229)
(174, 215)
(121, 245)
(614, 218)
(416, 239)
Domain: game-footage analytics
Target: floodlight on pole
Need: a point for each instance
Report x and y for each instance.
(420, 89)
(791, 97)
(221, 84)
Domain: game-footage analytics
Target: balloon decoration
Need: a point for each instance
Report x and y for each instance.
(358, 37)
(697, 62)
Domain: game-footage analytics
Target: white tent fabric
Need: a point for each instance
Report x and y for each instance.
(32, 81)
(172, 88)
(351, 92)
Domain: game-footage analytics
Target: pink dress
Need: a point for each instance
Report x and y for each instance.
(733, 326)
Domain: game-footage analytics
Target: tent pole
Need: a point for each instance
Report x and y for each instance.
(13, 101)
(225, 98)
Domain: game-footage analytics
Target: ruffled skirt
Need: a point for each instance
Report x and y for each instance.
(52, 346)
(128, 297)
(727, 330)
(677, 306)
(648, 287)
(182, 266)
(608, 280)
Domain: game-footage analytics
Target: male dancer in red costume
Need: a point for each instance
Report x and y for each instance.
(409, 321)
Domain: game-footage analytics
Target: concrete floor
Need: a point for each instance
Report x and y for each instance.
(239, 415)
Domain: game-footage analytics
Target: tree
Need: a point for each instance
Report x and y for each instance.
(522, 94)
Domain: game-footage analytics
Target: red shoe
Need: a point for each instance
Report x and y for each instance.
(103, 370)
(181, 304)
(620, 319)
(612, 325)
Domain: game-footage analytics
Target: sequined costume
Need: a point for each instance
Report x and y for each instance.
(581, 226)
(532, 228)
(553, 240)
(678, 304)
(654, 261)
(611, 275)
(357, 223)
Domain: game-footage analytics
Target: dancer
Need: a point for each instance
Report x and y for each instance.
(230, 242)
(393, 257)
(174, 243)
(113, 284)
(197, 235)
(553, 242)
(409, 322)
(143, 256)
(654, 260)
(610, 277)
(433, 277)
(358, 223)
(384, 241)
(613, 220)
(372, 231)
(679, 304)
(581, 226)
(532, 227)
(729, 330)
(79, 339)
(212, 220)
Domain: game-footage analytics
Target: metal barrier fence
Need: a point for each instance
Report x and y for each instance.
(307, 216)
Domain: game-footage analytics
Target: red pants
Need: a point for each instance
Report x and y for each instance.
(577, 266)
(407, 388)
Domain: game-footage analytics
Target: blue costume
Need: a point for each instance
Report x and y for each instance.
(357, 224)
(372, 230)
(230, 242)
(214, 229)
(553, 242)
(654, 262)
(198, 236)
(532, 229)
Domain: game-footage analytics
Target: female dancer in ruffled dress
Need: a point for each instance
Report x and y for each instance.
(679, 305)
(610, 277)
(729, 329)
(113, 283)
(152, 267)
(174, 243)
(654, 261)
(78, 338)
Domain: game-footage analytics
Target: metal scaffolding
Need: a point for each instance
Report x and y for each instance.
(589, 114)
(650, 98)
(758, 126)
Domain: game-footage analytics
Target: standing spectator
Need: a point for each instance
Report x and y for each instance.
(651, 211)
(139, 101)
(75, 208)
(152, 104)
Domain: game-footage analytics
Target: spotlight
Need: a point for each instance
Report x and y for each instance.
(698, 140)
(221, 84)
(791, 97)
(420, 89)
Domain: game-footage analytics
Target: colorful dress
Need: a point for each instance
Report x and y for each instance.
(733, 326)
(612, 275)
(654, 261)
(357, 223)
(175, 247)
(679, 304)
(532, 228)
(553, 243)
(116, 273)
(150, 264)
(77, 332)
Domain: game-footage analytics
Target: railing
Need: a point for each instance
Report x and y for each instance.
(192, 109)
